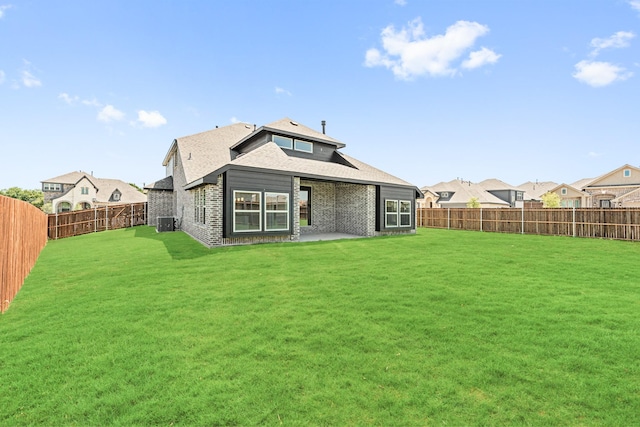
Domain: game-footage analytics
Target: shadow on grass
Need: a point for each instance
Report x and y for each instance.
(179, 245)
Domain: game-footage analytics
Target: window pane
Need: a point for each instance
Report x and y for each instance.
(405, 207)
(247, 201)
(405, 220)
(392, 220)
(277, 202)
(277, 221)
(247, 221)
(304, 146)
(283, 141)
(304, 207)
(391, 206)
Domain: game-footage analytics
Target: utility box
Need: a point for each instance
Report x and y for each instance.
(165, 223)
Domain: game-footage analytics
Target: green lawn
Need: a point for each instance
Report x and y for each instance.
(131, 327)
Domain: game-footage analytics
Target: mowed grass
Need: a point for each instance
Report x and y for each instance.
(131, 327)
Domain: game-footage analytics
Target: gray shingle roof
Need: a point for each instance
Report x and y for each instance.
(208, 152)
(464, 191)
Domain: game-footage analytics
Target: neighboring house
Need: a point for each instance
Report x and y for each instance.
(457, 193)
(80, 190)
(617, 188)
(533, 191)
(240, 184)
(429, 199)
(570, 196)
(503, 191)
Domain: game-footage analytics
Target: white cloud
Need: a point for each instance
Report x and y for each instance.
(109, 114)
(151, 119)
(409, 53)
(618, 40)
(234, 120)
(401, 2)
(598, 74)
(2, 75)
(481, 57)
(594, 154)
(635, 4)
(3, 8)
(29, 80)
(280, 90)
(91, 102)
(67, 98)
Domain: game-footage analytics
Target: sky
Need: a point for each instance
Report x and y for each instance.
(429, 90)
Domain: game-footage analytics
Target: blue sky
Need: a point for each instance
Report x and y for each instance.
(428, 90)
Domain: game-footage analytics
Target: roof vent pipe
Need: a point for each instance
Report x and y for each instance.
(323, 123)
(254, 127)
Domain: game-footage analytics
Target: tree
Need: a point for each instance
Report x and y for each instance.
(35, 197)
(550, 200)
(473, 203)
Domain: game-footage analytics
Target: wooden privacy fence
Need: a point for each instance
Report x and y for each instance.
(23, 234)
(101, 218)
(607, 223)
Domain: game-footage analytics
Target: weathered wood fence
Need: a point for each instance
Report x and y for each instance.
(23, 234)
(101, 218)
(607, 223)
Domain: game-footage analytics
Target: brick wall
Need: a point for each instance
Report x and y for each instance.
(160, 203)
(355, 209)
(323, 207)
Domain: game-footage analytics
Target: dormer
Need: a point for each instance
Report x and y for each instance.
(115, 196)
(295, 140)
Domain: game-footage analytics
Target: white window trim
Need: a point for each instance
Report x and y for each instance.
(626, 173)
(284, 137)
(387, 213)
(295, 146)
(400, 213)
(259, 211)
(52, 187)
(268, 211)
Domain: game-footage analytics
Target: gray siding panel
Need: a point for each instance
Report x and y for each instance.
(254, 181)
(394, 193)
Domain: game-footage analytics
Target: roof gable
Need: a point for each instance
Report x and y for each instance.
(616, 178)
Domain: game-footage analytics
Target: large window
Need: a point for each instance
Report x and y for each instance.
(199, 205)
(397, 213)
(255, 211)
(84, 190)
(405, 213)
(391, 213)
(305, 206)
(247, 211)
(276, 211)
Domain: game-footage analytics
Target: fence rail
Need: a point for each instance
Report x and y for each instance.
(101, 218)
(23, 234)
(607, 223)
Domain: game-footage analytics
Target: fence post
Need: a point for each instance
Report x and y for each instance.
(56, 224)
(574, 221)
(131, 206)
(95, 218)
(106, 217)
(448, 218)
(481, 219)
(522, 230)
